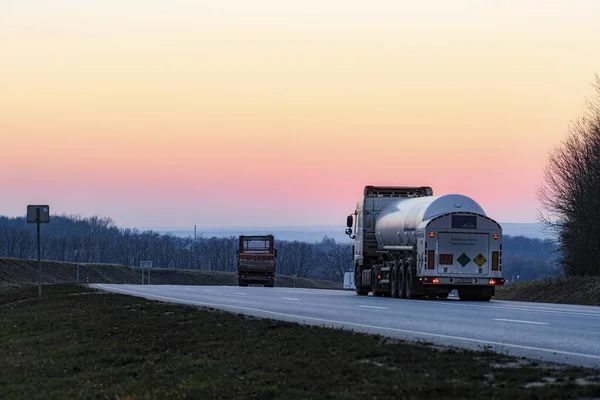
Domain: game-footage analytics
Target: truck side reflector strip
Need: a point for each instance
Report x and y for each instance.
(495, 259)
(495, 236)
(430, 259)
(431, 234)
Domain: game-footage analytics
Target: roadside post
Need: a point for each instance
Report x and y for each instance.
(147, 264)
(38, 214)
(77, 261)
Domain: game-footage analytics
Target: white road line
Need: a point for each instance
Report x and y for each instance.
(523, 322)
(207, 290)
(527, 309)
(290, 298)
(438, 335)
(381, 308)
(243, 294)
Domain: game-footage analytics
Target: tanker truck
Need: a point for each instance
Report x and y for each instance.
(411, 244)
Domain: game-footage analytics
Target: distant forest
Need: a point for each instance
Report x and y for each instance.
(99, 240)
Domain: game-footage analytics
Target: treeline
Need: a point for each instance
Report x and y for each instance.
(529, 259)
(99, 240)
(570, 193)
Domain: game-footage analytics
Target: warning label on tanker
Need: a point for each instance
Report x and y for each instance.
(463, 241)
(468, 250)
(480, 260)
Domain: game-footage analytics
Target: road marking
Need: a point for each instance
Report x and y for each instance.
(243, 294)
(528, 309)
(290, 298)
(207, 290)
(381, 308)
(523, 322)
(327, 321)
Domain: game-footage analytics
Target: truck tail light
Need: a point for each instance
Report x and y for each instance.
(495, 260)
(430, 259)
(492, 281)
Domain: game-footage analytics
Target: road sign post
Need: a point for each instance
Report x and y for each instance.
(77, 261)
(38, 214)
(146, 264)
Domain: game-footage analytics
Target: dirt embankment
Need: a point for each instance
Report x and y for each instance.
(17, 271)
(584, 291)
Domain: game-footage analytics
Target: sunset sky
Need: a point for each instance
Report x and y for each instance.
(262, 113)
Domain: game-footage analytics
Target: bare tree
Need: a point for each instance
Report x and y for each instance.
(570, 194)
(335, 259)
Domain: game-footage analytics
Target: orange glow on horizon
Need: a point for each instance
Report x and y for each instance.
(280, 113)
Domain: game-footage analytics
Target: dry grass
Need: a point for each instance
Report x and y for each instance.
(17, 271)
(77, 344)
(584, 291)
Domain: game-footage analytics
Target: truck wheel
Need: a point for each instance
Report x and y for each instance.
(401, 282)
(465, 294)
(360, 289)
(394, 276)
(409, 282)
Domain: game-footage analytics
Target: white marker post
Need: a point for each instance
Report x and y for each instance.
(77, 261)
(38, 215)
(147, 264)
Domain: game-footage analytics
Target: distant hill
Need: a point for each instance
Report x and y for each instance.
(531, 230)
(312, 234)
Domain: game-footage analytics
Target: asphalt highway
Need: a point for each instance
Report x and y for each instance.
(550, 332)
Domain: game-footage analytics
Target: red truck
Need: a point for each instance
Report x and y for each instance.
(256, 260)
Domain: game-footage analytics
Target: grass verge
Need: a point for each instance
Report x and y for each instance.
(79, 343)
(18, 271)
(580, 290)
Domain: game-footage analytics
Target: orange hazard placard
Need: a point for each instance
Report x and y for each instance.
(480, 260)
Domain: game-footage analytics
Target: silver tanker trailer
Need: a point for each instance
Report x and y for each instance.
(411, 244)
